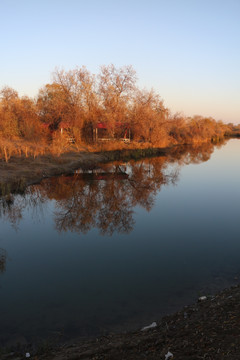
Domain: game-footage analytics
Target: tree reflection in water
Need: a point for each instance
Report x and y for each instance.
(3, 258)
(105, 197)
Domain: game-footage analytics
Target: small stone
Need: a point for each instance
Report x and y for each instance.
(153, 325)
(169, 355)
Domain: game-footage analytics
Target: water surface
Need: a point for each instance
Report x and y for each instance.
(119, 246)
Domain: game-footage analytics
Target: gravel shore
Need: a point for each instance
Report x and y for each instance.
(208, 329)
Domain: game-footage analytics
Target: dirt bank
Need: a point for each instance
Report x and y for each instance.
(206, 330)
(32, 170)
(22, 171)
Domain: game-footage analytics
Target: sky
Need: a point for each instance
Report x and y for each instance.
(187, 50)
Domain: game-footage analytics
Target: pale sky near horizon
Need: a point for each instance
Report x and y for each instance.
(187, 50)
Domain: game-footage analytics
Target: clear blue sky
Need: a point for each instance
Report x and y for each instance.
(187, 50)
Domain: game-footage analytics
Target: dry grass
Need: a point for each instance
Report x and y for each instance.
(20, 148)
(60, 145)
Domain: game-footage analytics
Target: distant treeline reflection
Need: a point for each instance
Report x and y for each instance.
(3, 257)
(104, 197)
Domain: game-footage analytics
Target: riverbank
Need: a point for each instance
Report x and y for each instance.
(19, 172)
(208, 329)
(29, 164)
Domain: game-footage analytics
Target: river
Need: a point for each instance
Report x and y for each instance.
(118, 246)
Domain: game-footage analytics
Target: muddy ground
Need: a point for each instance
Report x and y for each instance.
(208, 329)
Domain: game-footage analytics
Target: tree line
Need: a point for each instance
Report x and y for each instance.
(66, 111)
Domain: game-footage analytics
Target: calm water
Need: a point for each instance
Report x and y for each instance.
(117, 247)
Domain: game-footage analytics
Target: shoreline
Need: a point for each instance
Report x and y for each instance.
(207, 329)
(21, 172)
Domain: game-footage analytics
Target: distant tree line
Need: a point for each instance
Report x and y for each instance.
(76, 102)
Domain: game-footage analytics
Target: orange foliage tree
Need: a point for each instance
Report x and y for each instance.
(78, 100)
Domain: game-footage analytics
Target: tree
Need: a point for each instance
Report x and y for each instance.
(116, 88)
(18, 116)
(80, 90)
(149, 118)
(8, 118)
(53, 105)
